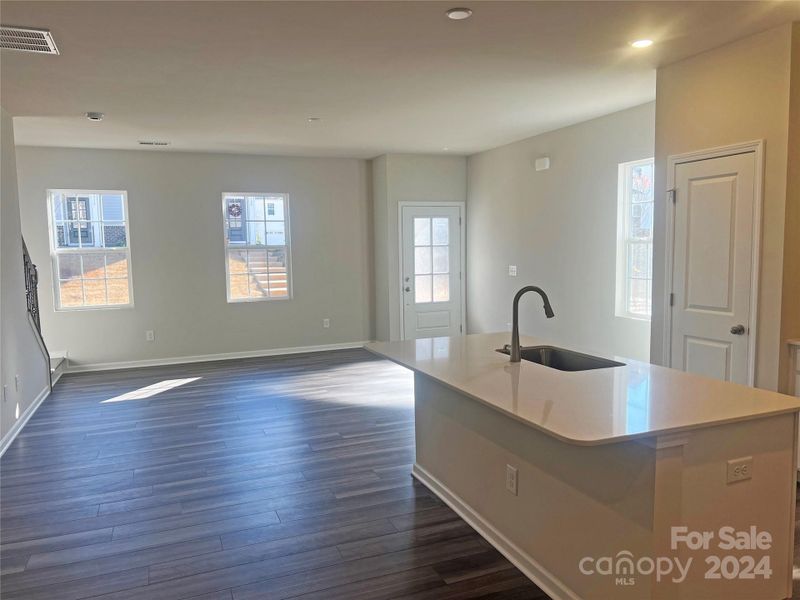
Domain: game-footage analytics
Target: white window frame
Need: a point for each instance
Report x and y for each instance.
(287, 246)
(55, 251)
(623, 241)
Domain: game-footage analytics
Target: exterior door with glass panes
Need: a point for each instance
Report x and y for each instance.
(235, 214)
(79, 230)
(431, 271)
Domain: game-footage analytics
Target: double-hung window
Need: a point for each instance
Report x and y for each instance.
(90, 249)
(257, 251)
(635, 240)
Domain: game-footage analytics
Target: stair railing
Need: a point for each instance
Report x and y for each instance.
(32, 302)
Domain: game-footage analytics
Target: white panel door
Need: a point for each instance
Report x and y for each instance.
(431, 271)
(712, 272)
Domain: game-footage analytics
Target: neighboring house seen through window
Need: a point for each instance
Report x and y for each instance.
(257, 246)
(635, 240)
(90, 249)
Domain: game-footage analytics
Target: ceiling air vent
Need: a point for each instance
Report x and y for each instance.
(152, 143)
(26, 39)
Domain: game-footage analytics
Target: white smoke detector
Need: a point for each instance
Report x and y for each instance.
(459, 14)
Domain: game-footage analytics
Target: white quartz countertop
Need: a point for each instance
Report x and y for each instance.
(583, 407)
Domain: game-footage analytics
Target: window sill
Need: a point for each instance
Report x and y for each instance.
(634, 317)
(92, 308)
(248, 300)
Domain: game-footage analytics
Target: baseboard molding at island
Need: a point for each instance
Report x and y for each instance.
(9, 437)
(524, 562)
(177, 360)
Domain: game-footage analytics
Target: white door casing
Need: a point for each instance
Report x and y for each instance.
(714, 263)
(431, 270)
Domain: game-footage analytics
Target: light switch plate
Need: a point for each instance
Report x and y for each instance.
(326, 323)
(150, 335)
(512, 270)
(740, 469)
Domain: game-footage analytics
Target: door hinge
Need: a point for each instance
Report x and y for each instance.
(672, 299)
(672, 195)
(459, 220)
(459, 275)
(461, 329)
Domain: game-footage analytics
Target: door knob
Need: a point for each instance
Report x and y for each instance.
(408, 289)
(737, 329)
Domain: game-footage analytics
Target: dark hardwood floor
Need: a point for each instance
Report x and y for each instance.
(270, 478)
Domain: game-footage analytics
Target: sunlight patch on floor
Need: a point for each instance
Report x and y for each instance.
(352, 384)
(151, 390)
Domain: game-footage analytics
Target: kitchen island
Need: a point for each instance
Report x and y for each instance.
(634, 481)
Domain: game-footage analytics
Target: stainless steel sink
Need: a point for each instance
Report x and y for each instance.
(563, 360)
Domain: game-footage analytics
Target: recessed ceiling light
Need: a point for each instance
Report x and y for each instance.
(95, 116)
(445, 148)
(459, 14)
(314, 119)
(642, 43)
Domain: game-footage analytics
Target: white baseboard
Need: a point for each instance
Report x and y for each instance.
(177, 360)
(534, 571)
(57, 374)
(5, 442)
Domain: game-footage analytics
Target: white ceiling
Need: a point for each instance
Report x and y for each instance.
(384, 76)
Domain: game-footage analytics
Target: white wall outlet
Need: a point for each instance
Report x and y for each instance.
(512, 483)
(508, 326)
(512, 270)
(17, 383)
(740, 469)
(150, 335)
(326, 323)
